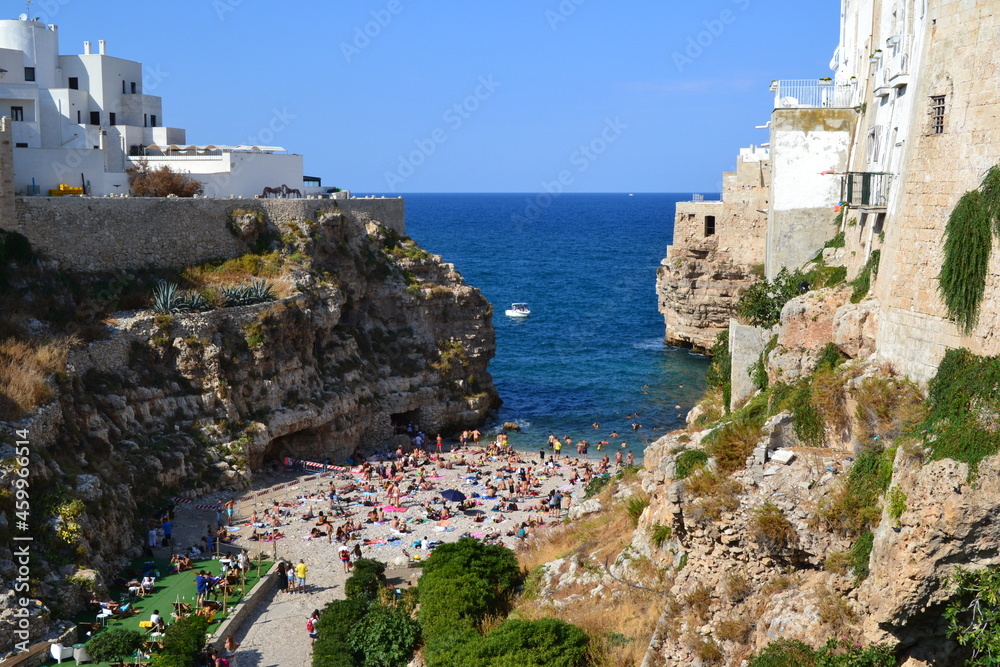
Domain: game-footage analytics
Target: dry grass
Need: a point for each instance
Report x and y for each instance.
(717, 495)
(829, 397)
(619, 629)
(699, 601)
(735, 628)
(887, 406)
(706, 648)
(779, 583)
(737, 587)
(24, 368)
(771, 529)
(834, 611)
(733, 443)
(837, 562)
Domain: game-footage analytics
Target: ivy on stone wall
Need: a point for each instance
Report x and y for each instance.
(967, 248)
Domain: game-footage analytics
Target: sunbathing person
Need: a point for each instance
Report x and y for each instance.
(316, 532)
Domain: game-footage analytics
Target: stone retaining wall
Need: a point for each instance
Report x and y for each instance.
(107, 234)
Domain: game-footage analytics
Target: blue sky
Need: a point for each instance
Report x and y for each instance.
(473, 96)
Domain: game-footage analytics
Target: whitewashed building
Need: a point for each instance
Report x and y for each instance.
(82, 120)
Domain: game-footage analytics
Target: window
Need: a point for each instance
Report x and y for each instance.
(133, 87)
(79, 116)
(152, 120)
(709, 225)
(145, 120)
(95, 117)
(17, 113)
(112, 118)
(20, 145)
(123, 87)
(74, 83)
(29, 73)
(937, 114)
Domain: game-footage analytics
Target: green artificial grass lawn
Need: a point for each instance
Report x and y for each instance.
(168, 589)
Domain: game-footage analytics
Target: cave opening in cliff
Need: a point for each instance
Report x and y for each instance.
(402, 420)
(313, 444)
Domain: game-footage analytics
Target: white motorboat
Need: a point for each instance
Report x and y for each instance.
(518, 310)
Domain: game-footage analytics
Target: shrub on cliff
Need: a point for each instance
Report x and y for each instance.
(761, 304)
(963, 407)
(835, 653)
(145, 181)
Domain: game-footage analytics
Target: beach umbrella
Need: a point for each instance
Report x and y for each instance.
(453, 495)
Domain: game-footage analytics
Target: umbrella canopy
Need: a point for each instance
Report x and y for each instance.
(453, 495)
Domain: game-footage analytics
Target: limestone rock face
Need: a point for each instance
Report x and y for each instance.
(947, 523)
(697, 296)
(368, 335)
(805, 328)
(855, 326)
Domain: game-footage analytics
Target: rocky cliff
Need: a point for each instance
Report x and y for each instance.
(369, 331)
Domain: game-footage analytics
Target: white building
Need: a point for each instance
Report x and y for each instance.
(81, 120)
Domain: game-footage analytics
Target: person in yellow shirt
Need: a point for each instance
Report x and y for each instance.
(300, 576)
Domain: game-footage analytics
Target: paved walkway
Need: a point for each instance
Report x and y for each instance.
(276, 636)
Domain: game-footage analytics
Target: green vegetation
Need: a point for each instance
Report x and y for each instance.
(758, 369)
(761, 304)
(863, 282)
(835, 653)
(467, 583)
(688, 461)
(258, 291)
(635, 506)
(660, 534)
(167, 298)
(968, 245)
(182, 642)
(964, 402)
(861, 554)
(116, 645)
(973, 615)
(367, 629)
(719, 373)
(897, 504)
(856, 508)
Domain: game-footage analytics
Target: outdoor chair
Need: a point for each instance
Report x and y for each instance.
(60, 652)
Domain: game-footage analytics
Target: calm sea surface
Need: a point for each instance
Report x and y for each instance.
(592, 349)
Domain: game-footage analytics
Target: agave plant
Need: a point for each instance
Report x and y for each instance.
(193, 302)
(260, 291)
(234, 296)
(166, 297)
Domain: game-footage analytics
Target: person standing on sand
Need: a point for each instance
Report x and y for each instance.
(230, 507)
(311, 626)
(290, 571)
(282, 575)
(300, 576)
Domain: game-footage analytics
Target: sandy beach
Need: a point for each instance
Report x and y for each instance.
(405, 529)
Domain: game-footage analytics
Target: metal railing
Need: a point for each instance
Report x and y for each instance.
(812, 94)
(868, 189)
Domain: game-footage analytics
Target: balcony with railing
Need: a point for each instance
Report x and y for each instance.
(812, 94)
(893, 65)
(866, 189)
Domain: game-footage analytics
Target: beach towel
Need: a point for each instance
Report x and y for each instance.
(392, 508)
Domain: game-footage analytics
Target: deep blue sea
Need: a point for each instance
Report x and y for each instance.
(592, 350)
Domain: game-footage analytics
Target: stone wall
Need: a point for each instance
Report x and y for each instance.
(805, 143)
(6, 171)
(913, 330)
(105, 234)
(745, 346)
